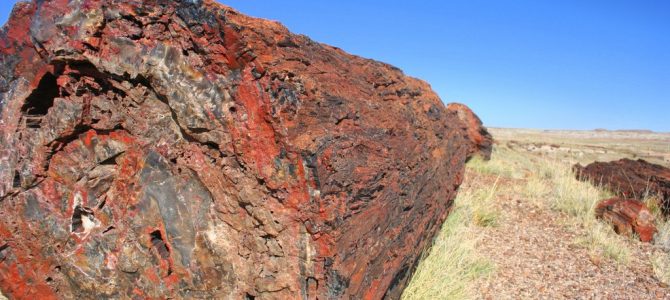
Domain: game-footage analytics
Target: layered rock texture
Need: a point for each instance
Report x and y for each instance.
(178, 149)
(628, 217)
(479, 139)
(635, 179)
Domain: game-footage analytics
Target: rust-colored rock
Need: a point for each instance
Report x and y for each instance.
(629, 178)
(628, 216)
(479, 138)
(179, 149)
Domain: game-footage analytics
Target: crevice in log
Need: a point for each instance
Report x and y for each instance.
(17, 179)
(3, 252)
(42, 97)
(160, 245)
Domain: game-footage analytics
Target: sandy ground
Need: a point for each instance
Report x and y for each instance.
(536, 257)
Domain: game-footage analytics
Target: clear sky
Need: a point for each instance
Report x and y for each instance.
(561, 64)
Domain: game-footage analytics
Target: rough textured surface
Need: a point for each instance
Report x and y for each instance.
(628, 216)
(628, 178)
(156, 149)
(479, 138)
(537, 256)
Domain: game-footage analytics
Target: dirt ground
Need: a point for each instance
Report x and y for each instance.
(536, 257)
(533, 246)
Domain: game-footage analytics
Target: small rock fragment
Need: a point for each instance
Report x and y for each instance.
(628, 216)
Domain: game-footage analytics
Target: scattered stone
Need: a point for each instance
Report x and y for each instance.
(636, 179)
(479, 138)
(628, 216)
(179, 149)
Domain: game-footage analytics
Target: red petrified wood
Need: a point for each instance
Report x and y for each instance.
(179, 149)
(628, 216)
(479, 139)
(629, 178)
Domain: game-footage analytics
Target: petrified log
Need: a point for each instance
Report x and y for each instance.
(628, 178)
(180, 149)
(479, 139)
(628, 216)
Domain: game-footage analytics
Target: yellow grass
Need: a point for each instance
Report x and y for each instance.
(661, 264)
(553, 183)
(660, 260)
(453, 264)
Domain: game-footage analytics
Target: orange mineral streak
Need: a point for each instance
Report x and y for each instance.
(373, 291)
(13, 276)
(130, 163)
(122, 137)
(259, 143)
(20, 264)
(88, 137)
(233, 45)
(257, 135)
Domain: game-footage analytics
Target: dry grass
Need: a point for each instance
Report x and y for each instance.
(660, 260)
(585, 147)
(551, 183)
(453, 264)
(661, 265)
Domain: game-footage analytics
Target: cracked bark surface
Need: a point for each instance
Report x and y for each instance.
(181, 149)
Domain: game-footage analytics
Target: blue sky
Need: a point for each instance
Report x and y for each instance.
(564, 64)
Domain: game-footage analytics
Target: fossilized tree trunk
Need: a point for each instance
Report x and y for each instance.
(181, 149)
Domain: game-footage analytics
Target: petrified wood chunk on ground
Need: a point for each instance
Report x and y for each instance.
(479, 139)
(628, 216)
(180, 149)
(628, 178)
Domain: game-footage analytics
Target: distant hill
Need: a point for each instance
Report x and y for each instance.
(625, 130)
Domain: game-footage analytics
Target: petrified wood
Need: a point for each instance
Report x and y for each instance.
(636, 179)
(628, 217)
(157, 149)
(478, 137)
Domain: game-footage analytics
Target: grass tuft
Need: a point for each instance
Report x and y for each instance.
(453, 264)
(483, 213)
(660, 260)
(601, 242)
